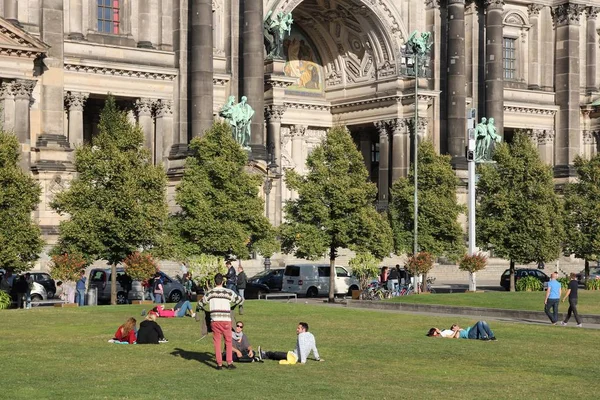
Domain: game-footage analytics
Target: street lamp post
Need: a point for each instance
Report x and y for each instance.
(416, 49)
(271, 175)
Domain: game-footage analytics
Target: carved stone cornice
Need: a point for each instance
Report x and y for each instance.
(115, 71)
(592, 12)
(163, 108)
(75, 101)
(567, 13)
(144, 106)
(533, 10)
(493, 4)
(18, 43)
(529, 110)
(305, 106)
(274, 113)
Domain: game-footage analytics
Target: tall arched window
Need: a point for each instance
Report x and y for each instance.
(515, 48)
(108, 16)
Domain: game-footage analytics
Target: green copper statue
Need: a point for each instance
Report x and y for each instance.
(276, 27)
(487, 137)
(419, 43)
(239, 116)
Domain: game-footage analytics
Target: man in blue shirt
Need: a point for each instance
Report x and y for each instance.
(552, 298)
(80, 287)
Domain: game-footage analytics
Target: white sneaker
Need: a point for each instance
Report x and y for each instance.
(163, 340)
(111, 341)
(563, 323)
(580, 325)
(193, 315)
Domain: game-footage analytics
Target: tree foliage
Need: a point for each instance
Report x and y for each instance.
(67, 267)
(204, 268)
(365, 267)
(221, 211)
(472, 263)
(140, 266)
(518, 212)
(581, 212)
(439, 231)
(117, 201)
(335, 205)
(20, 236)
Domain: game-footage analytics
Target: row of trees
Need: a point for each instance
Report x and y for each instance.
(117, 204)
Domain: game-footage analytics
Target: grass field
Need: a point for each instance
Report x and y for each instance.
(49, 353)
(589, 300)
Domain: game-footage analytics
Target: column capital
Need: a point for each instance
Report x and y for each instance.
(298, 130)
(143, 107)
(23, 88)
(274, 113)
(533, 135)
(431, 4)
(568, 14)
(164, 108)
(545, 136)
(493, 4)
(381, 128)
(75, 101)
(592, 12)
(533, 10)
(7, 90)
(589, 137)
(398, 125)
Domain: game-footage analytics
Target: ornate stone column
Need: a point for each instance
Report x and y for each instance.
(545, 141)
(273, 114)
(11, 10)
(144, 111)
(8, 106)
(494, 68)
(591, 49)
(456, 94)
(252, 60)
(365, 150)
(534, 46)
(201, 68)
(384, 161)
(567, 83)
(400, 148)
(297, 132)
(75, 101)
(75, 20)
(22, 91)
(164, 130)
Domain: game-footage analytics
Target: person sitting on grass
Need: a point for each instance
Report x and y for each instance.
(242, 350)
(304, 345)
(181, 309)
(150, 332)
(126, 333)
(481, 330)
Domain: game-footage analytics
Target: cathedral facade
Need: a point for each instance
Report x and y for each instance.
(172, 64)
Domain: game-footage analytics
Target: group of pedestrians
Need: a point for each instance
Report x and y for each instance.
(19, 287)
(553, 298)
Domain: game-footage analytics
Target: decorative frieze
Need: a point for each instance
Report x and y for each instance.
(568, 13)
(113, 71)
(75, 101)
(304, 106)
(334, 78)
(387, 69)
(529, 110)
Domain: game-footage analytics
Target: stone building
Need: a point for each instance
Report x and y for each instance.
(173, 63)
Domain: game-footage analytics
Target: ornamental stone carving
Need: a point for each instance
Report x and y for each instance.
(568, 13)
(533, 10)
(274, 113)
(493, 4)
(163, 108)
(589, 137)
(22, 88)
(381, 128)
(143, 107)
(298, 130)
(398, 126)
(75, 101)
(545, 136)
(592, 12)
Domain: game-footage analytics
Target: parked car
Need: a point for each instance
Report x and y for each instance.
(38, 293)
(594, 274)
(100, 279)
(273, 278)
(313, 280)
(253, 290)
(521, 273)
(46, 281)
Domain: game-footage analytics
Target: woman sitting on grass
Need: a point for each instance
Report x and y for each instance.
(150, 332)
(481, 330)
(126, 333)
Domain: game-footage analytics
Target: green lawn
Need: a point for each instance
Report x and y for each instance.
(49, 353)
(589, 300)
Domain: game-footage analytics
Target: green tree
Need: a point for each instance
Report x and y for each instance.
(221, 212)
(518, 212)
(440, 232)
(20, 237)
(335, 206)
(582, 214)
(117, 201)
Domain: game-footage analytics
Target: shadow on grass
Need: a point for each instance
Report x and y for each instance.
(205, 358)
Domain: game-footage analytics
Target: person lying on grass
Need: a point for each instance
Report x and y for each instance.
(181, 309)
(126, 333)
(481, 330)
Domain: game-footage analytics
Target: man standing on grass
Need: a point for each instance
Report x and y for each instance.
(80, 287)
(572, 295)
(552, 298)
(221, 300)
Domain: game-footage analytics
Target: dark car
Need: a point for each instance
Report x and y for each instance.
(253, 290)
(273, 278)
(522, 273)
(46, 281)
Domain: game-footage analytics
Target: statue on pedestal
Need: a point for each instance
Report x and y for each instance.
(487, 137)
(276, 27)
(239, 116)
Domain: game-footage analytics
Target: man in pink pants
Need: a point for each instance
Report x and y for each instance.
(221, 300)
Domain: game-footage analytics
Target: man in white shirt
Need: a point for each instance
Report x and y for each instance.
(304, 345)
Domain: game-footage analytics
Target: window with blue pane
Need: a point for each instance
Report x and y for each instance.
(108, 16)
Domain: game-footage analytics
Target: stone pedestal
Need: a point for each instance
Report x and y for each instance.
(75, 101)
(494, 67)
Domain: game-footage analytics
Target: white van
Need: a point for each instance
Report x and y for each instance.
(312, 280)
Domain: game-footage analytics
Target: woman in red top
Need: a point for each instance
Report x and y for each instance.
(126, 332)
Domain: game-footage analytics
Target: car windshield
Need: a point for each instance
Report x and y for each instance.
(261, 274)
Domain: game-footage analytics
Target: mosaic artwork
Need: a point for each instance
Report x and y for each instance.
(302, 63)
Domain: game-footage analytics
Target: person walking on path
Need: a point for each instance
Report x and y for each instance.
(80, 288)
(242, 280)
(572, 295)
(221, 300)
(552, 298)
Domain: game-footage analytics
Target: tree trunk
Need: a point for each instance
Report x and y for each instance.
(425, 283)
(113, 284)
(586, 272)
(332, 255)
(512, 275)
